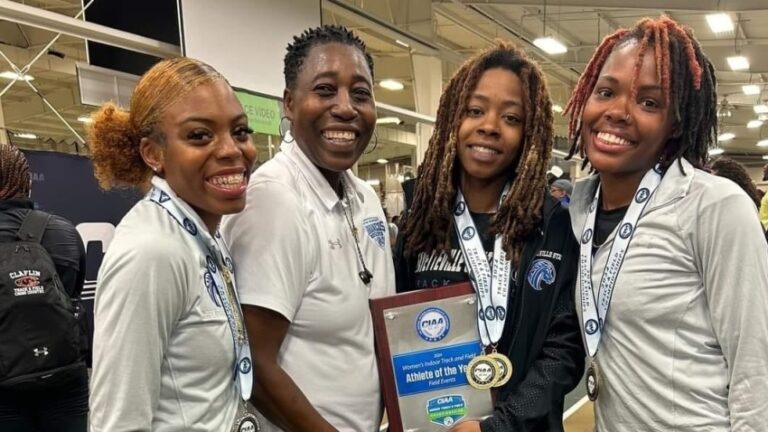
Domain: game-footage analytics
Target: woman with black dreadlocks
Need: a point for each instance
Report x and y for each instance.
(484, 176)
(675, 253)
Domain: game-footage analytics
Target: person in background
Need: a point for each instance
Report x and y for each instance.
(170, 348)
(484, 176)
(58, 399)
(561, 189)
(764, 201)
(316, 243)
(673, 281)
(735, 172)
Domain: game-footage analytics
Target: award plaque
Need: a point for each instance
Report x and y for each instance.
(425, 341)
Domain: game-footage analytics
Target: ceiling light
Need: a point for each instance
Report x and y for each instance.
(85, 119)
(373, 182)
(716, 151)
(751, 89)
(389, 120)
(13, 75)
(391, 84)
(382, 161)
(557, 108)
(763, 117)
(763, 143)
(550, 45)
(760, 109)
(400, 178)
(720, 22)
(738, 63)
(25, 135)
(754, 124)
(765, 157)
(727, 136)
(401, 43)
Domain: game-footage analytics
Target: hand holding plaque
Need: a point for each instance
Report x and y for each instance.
(425, 342)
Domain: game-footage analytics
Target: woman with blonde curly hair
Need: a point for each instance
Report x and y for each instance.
(170, 349)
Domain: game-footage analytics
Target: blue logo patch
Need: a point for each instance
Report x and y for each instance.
(211, 264)
(210, 286)
(244, 366)
(446, 410)
(190, 226)
(626, 230)
(541, 271)
(433, 324)
(591, 327)
(587, 237)
(375, 228)
(468, 233)
(642, 195)
(460, 209)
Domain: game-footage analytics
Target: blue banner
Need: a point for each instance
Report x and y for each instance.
(433, 369)
(64, 185)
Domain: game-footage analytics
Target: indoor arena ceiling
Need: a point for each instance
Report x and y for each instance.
(449, 29)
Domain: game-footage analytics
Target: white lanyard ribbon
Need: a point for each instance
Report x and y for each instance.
(594, 312)
(491, 284)
(217, 258)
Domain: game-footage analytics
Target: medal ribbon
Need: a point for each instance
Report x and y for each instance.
(491, 284)
(218, 261)
(594, 312)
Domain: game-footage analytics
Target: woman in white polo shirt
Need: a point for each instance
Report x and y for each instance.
(170, 350)
(313, 247)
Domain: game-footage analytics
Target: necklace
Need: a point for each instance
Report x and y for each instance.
(346, 205)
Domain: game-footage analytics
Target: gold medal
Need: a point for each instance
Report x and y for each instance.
(505, 368)
(482, 372)
(593, 381)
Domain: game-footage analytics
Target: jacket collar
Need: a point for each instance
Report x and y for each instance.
(674, 185)
(16, 203)
(314, 177)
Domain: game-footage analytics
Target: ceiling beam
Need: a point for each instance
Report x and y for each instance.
(560, 73)
(682, 5)
(58, 23)
(389, 30)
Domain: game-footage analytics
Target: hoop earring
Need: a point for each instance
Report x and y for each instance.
(375, 143)
(280, 130)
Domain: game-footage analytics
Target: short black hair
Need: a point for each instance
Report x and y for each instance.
(298, 50)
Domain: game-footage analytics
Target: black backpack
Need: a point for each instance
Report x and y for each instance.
(40, 329)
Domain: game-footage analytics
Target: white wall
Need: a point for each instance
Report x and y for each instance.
(245, 40)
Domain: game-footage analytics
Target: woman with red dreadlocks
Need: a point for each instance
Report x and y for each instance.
(677, 255)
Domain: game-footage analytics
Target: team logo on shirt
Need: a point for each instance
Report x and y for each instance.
(376, 230)
(626, 230)
(468, 233)
(541, 271)
(433, 324)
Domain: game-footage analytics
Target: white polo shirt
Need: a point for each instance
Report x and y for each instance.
(162, 348)
(296, 256)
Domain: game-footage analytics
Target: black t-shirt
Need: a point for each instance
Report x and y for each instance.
(605, 222)
(439, 268)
